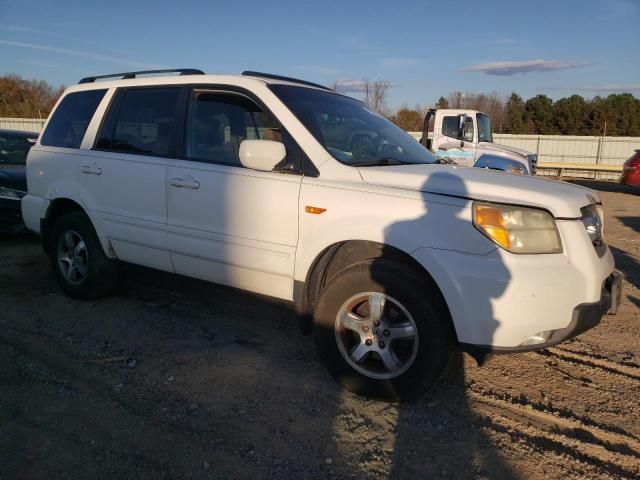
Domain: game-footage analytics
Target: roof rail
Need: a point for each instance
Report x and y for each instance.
(249, 73)
(128, 75)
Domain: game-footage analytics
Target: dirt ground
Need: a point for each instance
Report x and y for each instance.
(176, 378)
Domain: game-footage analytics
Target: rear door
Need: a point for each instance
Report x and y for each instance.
(123, 176)
(227, 223)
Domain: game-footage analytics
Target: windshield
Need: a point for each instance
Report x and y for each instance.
(351, 132)
(484, 128)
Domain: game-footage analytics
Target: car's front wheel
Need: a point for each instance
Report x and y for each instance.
(80, 265)
(382, 331)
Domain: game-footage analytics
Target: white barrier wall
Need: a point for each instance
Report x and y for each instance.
(571, 149)
(24, 124)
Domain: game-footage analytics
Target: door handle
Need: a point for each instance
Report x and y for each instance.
(186, 182)
(91, 169)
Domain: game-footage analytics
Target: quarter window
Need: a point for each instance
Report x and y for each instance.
(219, 122)
(145, 122)
(70, 120)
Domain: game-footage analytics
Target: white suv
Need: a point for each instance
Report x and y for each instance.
(285, 188)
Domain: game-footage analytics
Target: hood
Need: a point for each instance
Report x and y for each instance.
(496, 147)
(13, 176)
(563, 200)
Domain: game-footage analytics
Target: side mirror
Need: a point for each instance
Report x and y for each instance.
(261, 155)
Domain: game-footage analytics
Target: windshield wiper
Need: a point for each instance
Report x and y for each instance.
(381, 163)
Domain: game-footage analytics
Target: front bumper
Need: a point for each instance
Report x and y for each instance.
(10, 216)
(585, 316)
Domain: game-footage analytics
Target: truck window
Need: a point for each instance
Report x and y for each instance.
(484, 128)
(451, 126)
(70, 120)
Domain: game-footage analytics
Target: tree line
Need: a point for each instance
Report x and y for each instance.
(26, 98)
(614, 115)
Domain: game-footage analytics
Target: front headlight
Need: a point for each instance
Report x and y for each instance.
(592, 219)
(517, 229)
(11, 194)
(519, 169)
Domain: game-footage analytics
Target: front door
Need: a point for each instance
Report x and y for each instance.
(227, 223)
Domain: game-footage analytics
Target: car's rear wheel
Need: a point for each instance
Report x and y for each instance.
(382, 331)
(81, 268)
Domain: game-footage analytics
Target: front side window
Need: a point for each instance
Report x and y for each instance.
(219, 122)
(484, 128)
(351, 132)
(144, 122)
(14, 148)
(71, 119)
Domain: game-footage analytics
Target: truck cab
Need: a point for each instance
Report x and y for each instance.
(465, 137)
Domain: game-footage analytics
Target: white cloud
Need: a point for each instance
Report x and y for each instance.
(355, 86)
(80, 54)
(350, 86)
(525, 66)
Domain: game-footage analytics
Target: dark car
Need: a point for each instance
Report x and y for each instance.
(631, 171)
(14, 146)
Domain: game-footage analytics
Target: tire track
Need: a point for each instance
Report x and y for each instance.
(616, 451)
(569, 347)
(624, 370)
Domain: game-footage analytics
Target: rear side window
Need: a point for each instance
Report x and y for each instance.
(70, 120)
(143, 121)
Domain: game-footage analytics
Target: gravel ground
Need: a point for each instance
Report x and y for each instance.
(176, 378)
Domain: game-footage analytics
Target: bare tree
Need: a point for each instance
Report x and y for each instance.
(379, 94)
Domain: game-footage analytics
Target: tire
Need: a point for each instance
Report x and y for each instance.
(399, 368)
(73, 242)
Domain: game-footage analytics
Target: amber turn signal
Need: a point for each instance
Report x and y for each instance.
(315, 210)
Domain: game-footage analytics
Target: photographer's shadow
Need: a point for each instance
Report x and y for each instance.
(439, 435)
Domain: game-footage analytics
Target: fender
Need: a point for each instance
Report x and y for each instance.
(406, 224)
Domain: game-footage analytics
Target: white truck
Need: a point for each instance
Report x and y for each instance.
(464, 137)
(285, 188)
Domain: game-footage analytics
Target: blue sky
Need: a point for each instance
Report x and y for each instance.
(425, 49)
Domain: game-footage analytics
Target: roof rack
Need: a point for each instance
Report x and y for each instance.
(250, 73)
(128, 75)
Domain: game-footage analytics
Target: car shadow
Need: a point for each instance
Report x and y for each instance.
(437, 435)
(628, 264)
(604, 186)
(631, 222)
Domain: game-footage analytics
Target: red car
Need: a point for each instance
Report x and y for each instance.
(631, 170)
